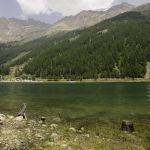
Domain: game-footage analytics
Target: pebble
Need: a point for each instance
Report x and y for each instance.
(86, 135)
(2, 117)
(43, 119)
(19, 118)
(56, 120)
(10, 117)
(82, 129)
(38, 136)
(72, 129)
(54, 136)
(64, 146)
(53, 126)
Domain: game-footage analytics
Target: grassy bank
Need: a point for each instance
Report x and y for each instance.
(88, 133)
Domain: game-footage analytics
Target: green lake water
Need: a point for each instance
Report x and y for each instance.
(109, 100)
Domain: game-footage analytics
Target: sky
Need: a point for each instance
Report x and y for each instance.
(50, 11)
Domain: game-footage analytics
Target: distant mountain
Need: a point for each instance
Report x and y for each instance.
(115, 48)
(144, 9)
(48, 18)
(88, 18)
(26, 30)
(12, 30)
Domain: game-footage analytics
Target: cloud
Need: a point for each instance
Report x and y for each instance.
(66, 7)
(30, 7)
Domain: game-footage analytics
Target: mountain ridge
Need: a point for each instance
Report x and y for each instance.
(14, 30)
(88, 18)
(115, 48)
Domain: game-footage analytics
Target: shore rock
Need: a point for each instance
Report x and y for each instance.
(72, 129)
(54, 136)
(53, 126)
(2, 117)
(57, 120)
(19, 118)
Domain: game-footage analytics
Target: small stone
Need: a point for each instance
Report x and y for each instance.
(86, 135)
(79, 131)
(56, 119)
(19, 118)
(43, 125)
(82, 129)
(10, 117)
(2, 117)
(54, 136)
(54, 126)
(40, 122)
(38, 136)
(43, 119)
(72, 129)
(32, 123)
(64, 146)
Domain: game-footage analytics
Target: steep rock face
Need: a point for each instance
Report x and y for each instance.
(88, 18)
(19, 30)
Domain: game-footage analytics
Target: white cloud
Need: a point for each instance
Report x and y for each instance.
(66, 7)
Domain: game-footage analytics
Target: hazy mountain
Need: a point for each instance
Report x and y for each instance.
(144, 9)
(48, 18)
(21, 30)
(27, 30)
(88, 18)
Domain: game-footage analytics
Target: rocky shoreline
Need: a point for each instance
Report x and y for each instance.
(17, 133)
(20, 134)
(78, 81)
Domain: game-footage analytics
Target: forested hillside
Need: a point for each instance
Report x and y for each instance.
(116, 48)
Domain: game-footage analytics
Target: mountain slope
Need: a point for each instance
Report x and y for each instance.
(115, 48)
(144, 9)
(12, 30)
(88, 18)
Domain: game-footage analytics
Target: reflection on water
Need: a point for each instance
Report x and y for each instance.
(148, 91)
(78, 99)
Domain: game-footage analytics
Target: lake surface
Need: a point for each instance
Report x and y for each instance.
(110, 100)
